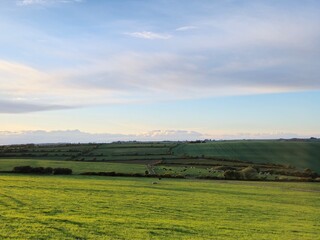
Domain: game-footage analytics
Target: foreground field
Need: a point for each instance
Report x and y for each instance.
(75, 207)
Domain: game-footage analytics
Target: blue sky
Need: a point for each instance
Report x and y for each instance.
(217, 69)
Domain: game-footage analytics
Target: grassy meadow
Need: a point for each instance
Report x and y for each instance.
(76, 166)
(98, 207)
(82, 207)
(272, 159)
(300, 153)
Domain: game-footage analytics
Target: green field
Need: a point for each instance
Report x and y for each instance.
(273, 159)
(301, 154)
(77, 167)
(75, 207)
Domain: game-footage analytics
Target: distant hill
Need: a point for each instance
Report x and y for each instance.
(296, 152)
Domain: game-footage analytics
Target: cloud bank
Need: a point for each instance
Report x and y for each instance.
(76, 136)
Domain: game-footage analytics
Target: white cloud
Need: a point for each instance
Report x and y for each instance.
(149, 35)
(76, 136)
(132, 77)
(170, 135)
(25, 89)
(159, 76)
(186, 28)
(31, 2)
(44, 2)
(234, 54)
(21, 77)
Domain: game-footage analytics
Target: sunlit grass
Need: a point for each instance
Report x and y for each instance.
(82, 207)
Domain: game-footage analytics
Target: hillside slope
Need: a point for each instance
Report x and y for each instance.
(301, 154)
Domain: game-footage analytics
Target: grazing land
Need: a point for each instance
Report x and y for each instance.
(301, 154)
(39, 205)
(295, 159)
(85, 207)
(77, 167)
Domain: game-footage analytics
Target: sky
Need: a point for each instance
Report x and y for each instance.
(159, 69)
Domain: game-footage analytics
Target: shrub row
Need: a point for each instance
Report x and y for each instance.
(297, 179)
(210, 177)
(307, 173)
(264, 179)
(42, 170)
(131, 175)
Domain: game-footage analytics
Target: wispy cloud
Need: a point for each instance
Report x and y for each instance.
(186, 28)
(44, 2)
(134, 76)
(35, 90)
(76, 136)
(149, 35)
(229, 54)
(23, 107)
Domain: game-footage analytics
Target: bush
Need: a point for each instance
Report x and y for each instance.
(39, 170)
(232, 175)
(249, 173)
(309, 173)
(22, 169)
(36, 170)
(210, 177)
(62, 171)
(224, 168)
(48, 170)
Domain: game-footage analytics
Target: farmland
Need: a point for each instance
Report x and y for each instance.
(77, 167)
(272, 159)
(301, 154)
(86, 206)
(78, 207)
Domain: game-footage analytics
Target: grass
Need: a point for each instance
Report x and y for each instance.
(77, 167)
(300, 154)
(131, 151)
(190, 171)
(91, 152)
(78, 207)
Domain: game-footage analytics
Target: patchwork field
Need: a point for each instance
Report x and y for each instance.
(270, 159)
(301, 154)
(75, 207)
